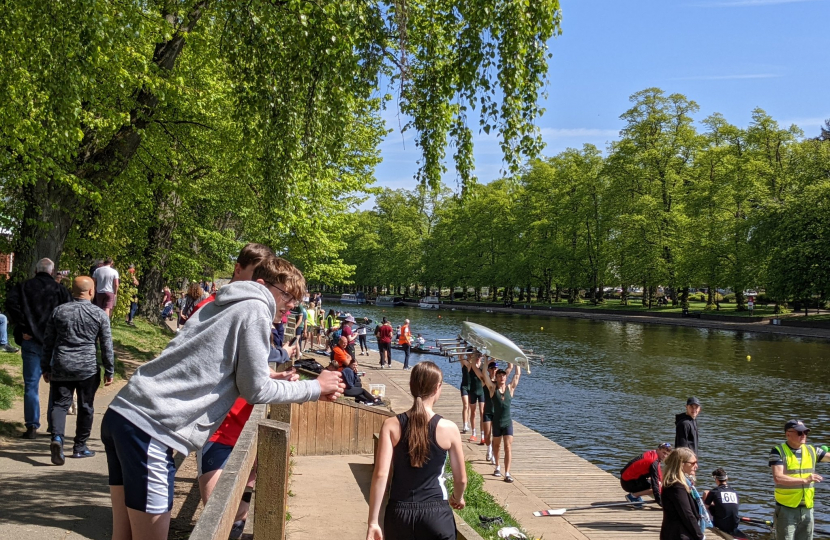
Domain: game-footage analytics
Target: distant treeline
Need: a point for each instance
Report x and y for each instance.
(669, 204)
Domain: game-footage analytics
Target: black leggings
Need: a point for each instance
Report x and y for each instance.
(360, 395)
(361, 338)
(61, 393)
(429, 520)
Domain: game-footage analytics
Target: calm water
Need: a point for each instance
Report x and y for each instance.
(609, 390)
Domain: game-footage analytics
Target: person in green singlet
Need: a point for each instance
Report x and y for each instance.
(487, 416)
(475, 395)
(501, 394)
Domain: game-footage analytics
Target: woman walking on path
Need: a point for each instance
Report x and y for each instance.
(680, 512)
(416, 443)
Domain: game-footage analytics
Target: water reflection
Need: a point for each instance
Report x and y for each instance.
(609, 390)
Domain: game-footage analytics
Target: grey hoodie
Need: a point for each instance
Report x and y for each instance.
(182, 396)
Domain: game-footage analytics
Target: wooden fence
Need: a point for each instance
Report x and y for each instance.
(320, 428)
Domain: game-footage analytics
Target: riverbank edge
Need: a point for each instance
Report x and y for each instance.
(763, 326)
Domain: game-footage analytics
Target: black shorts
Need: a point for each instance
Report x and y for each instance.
(499, 431)
(486, 418)
(636, 485)
(430, 520)
(140, 463)
(476, 398)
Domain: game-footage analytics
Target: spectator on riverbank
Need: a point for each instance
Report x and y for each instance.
(106, 286)
(176, 401)
(133, 295)
(361, 337)
(680, 511)
(29, 306)
(405, 341)
(354, 388)
(686, 433)
(5, 346)
(69, 364)
(340, 353)
(643, 475)
(416, 444)
(383, 333)
(195, 295)
(348, 332)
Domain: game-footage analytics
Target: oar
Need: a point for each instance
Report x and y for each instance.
(560, 511)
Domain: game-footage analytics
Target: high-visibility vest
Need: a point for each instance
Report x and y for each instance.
(792, 496)
(405, 335)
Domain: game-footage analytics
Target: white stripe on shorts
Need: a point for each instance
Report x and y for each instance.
(158, 485)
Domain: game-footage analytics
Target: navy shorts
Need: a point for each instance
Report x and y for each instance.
(213, 457)
(140, 463)
(476, 398)
(486, 417)
(464, 391)
(417, 520)
(499, 431)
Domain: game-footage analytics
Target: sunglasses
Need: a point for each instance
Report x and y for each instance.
(801, 433)
(691, 462)
(664, 446)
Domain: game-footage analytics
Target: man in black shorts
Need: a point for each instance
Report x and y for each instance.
(643, 476)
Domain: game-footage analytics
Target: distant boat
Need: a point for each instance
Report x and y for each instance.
(429, 302)
(389, 301)
(357, 298)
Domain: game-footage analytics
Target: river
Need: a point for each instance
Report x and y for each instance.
(609, 390)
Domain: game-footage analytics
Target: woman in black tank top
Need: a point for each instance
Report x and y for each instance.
(416, 444)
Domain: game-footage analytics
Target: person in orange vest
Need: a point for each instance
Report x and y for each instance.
(405, 341)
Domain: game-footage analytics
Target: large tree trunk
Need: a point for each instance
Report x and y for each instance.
(157, 254)
(48, 217)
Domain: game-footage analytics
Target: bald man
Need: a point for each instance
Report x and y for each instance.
(70, 365)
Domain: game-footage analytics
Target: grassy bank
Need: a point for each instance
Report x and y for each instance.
(11, 379)
(481, 503)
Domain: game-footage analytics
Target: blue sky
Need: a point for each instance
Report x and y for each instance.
(729, 56)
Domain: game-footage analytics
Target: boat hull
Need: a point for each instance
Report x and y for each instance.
(491, 343)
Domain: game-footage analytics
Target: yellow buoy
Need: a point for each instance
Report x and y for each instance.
(542, 328)
(748, 358)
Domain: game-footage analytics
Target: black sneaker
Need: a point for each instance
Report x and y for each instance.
(56, 447)
(9, 348)
(86, 452)
(237, 529)
(30, 433)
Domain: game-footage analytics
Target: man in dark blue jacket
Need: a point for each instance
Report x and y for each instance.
(686, 435)
(29, 306)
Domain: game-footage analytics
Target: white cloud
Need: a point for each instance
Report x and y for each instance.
(578, 132)
(750, 3)
(728, 77)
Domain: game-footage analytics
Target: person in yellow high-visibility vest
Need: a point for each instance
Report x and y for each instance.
(793, 470)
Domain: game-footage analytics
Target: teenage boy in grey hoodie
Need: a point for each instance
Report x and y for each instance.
(176, 401)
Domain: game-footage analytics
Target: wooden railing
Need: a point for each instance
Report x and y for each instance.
(320, 428)
(267, 441)
(313, 428)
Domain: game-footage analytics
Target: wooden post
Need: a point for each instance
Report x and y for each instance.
(272, 480)
(280, 413)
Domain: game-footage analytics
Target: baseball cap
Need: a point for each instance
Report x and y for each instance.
(797, 425)
(492, 365)
(693, 401)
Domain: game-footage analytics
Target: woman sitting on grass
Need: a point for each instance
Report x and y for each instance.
(417, 442)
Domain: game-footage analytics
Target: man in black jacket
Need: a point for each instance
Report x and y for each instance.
(29, 305)
(70, 364)
(686, 435)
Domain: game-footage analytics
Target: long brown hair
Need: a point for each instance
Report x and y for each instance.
(423, 382)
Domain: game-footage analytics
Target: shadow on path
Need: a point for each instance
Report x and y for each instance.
(85, 510)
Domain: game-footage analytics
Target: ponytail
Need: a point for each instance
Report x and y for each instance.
(423, 382)
(418, 433)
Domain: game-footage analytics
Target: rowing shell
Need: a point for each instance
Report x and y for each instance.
(493, 344)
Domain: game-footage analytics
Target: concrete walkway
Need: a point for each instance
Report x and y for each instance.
(42, 501)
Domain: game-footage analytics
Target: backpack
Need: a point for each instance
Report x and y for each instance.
(334, 337)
